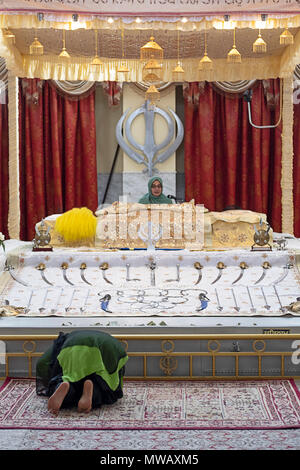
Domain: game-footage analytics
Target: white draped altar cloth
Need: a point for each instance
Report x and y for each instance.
(170, 288)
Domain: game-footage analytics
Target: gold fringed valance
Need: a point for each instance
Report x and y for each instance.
(78, 69)
(198, 23)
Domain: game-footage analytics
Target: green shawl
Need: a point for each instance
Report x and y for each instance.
(80, 354)
(150, 199)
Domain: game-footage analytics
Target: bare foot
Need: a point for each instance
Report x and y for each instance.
(56, 399)
(85, 402)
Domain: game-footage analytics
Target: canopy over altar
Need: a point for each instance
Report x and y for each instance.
(231, 44)
(178, 28)
(74, 45)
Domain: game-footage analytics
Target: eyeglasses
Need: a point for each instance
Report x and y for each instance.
(156, 186)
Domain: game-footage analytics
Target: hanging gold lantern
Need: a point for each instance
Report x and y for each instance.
(152, 94)
(178, 71)
(9, 36)
(64, 53)
(259, 46)
(151, 50)
(122, 70)
(233, 56)
(152, 71)
(205, 63)
(36, 48)
(286, 38)
(96, 63)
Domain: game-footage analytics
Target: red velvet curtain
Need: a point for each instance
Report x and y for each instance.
(227, 161)
(58, 167)
(4, 168)
(296, 170)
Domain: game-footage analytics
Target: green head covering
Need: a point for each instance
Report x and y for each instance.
(150, 199)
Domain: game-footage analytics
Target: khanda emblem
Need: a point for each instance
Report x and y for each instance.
(149, 153)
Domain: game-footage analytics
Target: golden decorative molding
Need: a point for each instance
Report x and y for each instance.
(287, 157)
(169, 358)
(13, 165)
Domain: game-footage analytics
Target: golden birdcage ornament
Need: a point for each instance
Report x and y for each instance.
(151, 50)
(96, 64)
(36, 48)
(259, 46)
(286, 38)
(205, 63)
(233, 56)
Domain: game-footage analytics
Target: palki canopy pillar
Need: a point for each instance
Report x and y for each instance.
(287, 157)
(135, 180)
(13, 166)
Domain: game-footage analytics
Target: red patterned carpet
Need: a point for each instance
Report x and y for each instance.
(238, 405)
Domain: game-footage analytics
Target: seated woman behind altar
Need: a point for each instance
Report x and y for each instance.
(155, 193)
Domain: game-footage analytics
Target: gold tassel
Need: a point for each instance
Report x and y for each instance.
(64, 53)
(152, 94)
(178, 73)
(205, 63)
(259, 46)
(233, 56)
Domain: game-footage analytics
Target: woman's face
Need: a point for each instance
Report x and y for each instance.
(156, 188)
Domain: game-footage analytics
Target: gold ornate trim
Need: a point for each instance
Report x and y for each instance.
(208, 347)
(287, 157)
(13, 166)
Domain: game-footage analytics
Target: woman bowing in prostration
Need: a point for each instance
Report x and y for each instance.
(83, 369)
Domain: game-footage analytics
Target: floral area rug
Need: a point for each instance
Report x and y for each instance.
(155, 405)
